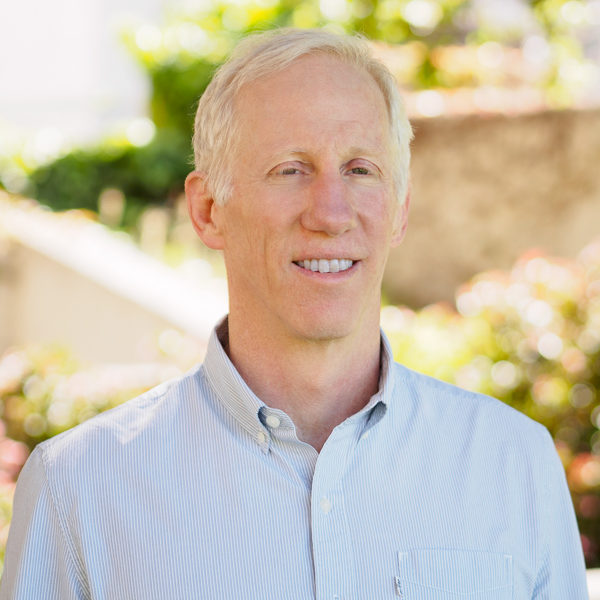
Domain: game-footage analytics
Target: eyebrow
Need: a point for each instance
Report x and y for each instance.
(353, 151)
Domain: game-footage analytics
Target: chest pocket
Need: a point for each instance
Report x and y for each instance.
(445, 574)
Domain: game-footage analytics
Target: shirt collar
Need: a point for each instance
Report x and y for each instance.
(246, 407)
(235, 395)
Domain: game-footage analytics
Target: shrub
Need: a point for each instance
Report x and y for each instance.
(7, 491)
(151, 174)
(12, 457)
(45, 391)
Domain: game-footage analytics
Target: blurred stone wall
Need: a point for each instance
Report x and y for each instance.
(485, 189)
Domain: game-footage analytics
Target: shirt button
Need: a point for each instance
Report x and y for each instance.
(273, 421)
(261, 437)
(325, 505)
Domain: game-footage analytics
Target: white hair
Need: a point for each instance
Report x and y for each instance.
(263, 54)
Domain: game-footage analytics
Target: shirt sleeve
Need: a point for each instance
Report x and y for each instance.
(39, 558)
(562, 571)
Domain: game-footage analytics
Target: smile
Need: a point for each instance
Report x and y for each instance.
(322, 265)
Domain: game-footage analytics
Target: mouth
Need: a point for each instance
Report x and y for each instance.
(323, 265)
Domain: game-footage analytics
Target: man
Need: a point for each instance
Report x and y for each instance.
(298, 461)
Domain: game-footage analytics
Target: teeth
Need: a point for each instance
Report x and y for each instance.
(322, 265)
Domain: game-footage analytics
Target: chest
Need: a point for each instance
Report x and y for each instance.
(360, 528)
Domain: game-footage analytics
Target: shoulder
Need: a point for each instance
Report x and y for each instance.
(137, 422)
(460, 412)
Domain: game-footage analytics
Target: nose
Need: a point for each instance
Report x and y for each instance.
(329, 209)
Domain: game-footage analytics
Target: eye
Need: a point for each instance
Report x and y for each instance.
(288, 168)
(359, 171)
(361, 167)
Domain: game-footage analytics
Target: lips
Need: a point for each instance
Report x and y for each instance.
(324, 265)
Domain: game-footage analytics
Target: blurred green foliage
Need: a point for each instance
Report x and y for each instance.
(181, 57)
(6, 497)
(44, 391)
(151, 174)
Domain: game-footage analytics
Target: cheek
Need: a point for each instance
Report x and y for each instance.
(249, 241)
(381, 217)
(239, 242)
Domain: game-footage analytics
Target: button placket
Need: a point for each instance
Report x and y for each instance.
(332, 551)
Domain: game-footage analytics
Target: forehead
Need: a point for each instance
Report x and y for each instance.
(315, 93)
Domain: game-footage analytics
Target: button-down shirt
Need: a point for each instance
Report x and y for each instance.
(197, 489)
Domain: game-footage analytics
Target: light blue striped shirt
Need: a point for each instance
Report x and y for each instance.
(198, 490)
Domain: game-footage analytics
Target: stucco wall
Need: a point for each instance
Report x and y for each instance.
(487, 188)
(65, 279)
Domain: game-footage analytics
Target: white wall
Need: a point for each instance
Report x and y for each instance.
(62, 65)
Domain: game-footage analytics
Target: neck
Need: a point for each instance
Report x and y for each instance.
(318, 383)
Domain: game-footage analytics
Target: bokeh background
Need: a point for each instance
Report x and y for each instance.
(105, 290)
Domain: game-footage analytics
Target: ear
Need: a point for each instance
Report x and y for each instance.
(203, 210)
(401, 221)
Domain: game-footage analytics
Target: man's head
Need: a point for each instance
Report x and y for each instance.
(299, 186)
(217, 124)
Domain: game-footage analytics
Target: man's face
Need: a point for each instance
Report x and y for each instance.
(312, 187)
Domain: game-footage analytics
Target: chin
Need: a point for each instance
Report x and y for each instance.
(324, 320)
